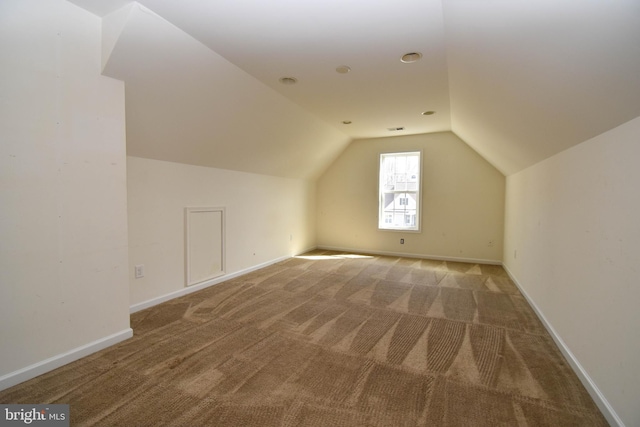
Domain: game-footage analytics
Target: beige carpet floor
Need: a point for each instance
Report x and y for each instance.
(330, 339)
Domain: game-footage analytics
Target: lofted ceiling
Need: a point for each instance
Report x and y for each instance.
(519, 81)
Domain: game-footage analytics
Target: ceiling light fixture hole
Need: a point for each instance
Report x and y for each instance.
(410, 57)
(288, 80)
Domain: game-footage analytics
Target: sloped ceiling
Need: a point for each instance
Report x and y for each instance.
(187, 104)
(532, 78)
(519, 81)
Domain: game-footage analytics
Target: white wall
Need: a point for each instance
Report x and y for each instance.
(63, 215)
(462, 201)
(574, 220)
(267, 218)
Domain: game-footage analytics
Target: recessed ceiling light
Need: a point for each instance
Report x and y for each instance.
(428, 113)
(411, 57)
(288, 80)
(343, 69)
(346, 122)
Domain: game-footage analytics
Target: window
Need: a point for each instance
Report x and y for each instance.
(399, 204)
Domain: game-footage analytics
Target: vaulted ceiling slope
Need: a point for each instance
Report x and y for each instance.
(531, 78)
(518, 81)
(185, 103)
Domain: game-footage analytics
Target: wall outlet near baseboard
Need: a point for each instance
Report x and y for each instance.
(402, 241)
(139, 271)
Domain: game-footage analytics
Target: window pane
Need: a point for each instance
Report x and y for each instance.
(399, 191)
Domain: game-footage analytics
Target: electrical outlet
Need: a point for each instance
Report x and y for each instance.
(402, 241)
(139, 270)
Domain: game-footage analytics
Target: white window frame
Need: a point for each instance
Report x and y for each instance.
(384, 190)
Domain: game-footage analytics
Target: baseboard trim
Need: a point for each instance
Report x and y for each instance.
(409, 255)
(194, 288)
(593, 390)
(32, 371)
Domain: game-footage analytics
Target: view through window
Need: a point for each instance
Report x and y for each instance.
(399, 205)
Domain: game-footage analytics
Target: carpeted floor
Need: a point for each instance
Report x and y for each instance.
(330, 340)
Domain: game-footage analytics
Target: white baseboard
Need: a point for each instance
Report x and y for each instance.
(607, 410)
(59, 360)
(409, 255)
(194, 288)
